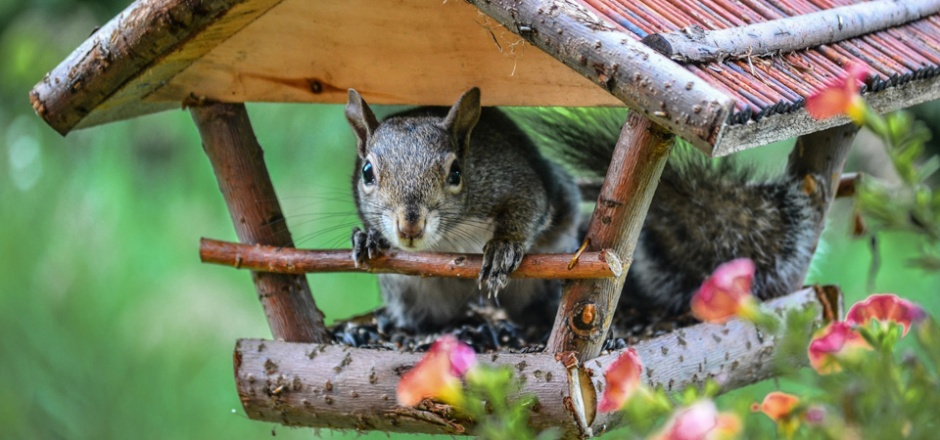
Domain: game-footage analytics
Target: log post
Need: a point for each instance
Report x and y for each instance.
(819, 158)
(587, 306)
(238, 163)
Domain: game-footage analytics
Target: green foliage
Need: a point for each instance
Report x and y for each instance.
(487, 401)
(912, 206)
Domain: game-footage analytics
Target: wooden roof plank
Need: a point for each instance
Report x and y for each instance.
(406, 52)
(143, 34)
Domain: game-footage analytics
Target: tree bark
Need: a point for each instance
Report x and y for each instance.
(297, 261)
(587, 306)
(114, 54)
(337, 387)
(238, 162)
(637, 75)
(695, 44)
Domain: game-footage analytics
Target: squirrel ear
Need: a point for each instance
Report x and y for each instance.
(361, 119)
(463, 116)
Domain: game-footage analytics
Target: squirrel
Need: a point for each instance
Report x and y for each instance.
(704, 213)
(465, 179)
(472, 180)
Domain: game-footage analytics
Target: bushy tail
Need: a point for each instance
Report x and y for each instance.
(705, 212)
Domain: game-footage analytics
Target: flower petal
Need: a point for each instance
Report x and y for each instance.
(828, 102)
(623, 377)
(833, 342)
(701, 420)
(724, 292)
(778, 405)
(437, 374)
(840, 95)
(885, 308)
(430, 378)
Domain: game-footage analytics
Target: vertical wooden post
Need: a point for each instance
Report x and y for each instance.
(238, 162)
(821, 155)
(587, 306)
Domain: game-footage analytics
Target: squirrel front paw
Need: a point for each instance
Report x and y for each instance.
(500, 258)
(367, 244)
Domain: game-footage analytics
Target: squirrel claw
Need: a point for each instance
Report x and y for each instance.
(366, 245)
(500, 258)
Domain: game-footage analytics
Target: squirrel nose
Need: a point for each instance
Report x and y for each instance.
(410, 230)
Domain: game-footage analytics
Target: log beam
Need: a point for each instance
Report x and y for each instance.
(238, 163)
(339, 387)
(642, 78)
(587, 306)
(819, 158)
(695, 44)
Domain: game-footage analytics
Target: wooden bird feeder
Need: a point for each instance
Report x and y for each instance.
(723, 75)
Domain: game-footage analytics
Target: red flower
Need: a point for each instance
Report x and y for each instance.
(623, 378)
(726, 293)
(886, 308)
(834, 342)
(702, 421)
(438, 374)
(840, 96)
(777, 405)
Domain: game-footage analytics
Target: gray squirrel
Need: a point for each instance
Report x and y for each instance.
(470, 179)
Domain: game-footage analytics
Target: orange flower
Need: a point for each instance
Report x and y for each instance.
(726, 293)
(777, 405)
(701, 420)
(886, 308)
(781, 408)
(834, 342)
(437, 375)
(840, 96)
(623, 378)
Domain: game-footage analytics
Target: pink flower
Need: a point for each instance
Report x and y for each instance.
(437, 375)
(726, 293)
(886, 308)
(777, 405)
(840, 96)
(623, 378)
(702, 421)
(834, 342)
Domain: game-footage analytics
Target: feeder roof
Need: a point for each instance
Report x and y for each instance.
(724, 74)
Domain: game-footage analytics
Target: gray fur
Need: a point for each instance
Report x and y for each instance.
(704, 213)
(510, 201)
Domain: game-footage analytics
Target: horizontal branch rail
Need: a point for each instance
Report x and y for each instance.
(789, 34)
(602, 264)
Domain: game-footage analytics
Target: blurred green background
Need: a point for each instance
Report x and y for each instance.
(110, 327)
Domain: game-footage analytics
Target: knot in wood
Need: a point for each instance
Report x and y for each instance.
(584, 320)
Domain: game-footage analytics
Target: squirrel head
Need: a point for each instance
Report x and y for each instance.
(410, 181)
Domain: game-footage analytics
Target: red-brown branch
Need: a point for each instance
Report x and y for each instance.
(238, 162)
(587, 306)
(602, 264)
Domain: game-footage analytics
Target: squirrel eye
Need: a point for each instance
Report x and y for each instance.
(368, 176)
(453, 177)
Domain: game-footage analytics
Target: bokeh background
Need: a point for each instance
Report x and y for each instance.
(110, 327)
